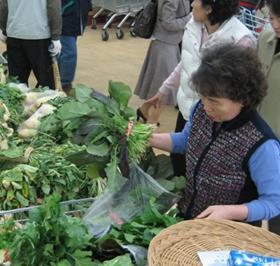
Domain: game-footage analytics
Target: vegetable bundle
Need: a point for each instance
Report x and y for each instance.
(104, 124)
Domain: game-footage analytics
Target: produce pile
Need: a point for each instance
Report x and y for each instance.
(75, 147)
(69, 145)
(51, 238)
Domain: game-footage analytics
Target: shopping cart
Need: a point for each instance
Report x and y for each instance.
(253, 22)
(125, 8)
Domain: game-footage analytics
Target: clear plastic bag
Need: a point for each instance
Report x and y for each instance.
(116, 208)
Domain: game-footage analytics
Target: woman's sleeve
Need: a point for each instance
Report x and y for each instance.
(173, 81)
(170, 21)
(264, 167)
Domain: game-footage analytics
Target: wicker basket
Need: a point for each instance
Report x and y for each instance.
(178, 244)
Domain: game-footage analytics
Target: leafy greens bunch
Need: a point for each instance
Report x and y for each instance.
(13, 99)
(100, 122)
(50, 238)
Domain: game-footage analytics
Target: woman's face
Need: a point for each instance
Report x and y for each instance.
(275, 23)
(200, 12)
(221, 109)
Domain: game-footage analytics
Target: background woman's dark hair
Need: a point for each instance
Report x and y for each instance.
(233, 72)
(274, 6)
(221, 9)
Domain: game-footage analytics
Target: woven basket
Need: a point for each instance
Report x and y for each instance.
(178, 244)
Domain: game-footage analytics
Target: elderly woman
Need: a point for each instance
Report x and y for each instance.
(232, 156)
(212, 22)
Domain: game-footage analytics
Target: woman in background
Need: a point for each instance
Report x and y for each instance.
(212, 22)
(164, 52)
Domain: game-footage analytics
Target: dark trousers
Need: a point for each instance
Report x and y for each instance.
(27, 55)
(274, 225)
(179, 160)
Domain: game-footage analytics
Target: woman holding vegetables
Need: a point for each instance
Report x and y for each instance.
(212, 22)
(232, 156)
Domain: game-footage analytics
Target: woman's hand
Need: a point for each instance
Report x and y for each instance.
(155, 101)
(227, 212)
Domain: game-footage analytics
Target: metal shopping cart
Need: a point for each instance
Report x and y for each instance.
(125, 8)
(253, 22)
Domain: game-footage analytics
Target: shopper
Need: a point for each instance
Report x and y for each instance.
(74, 20)
(164, 52)
(212, 22)
(269, 54)
(232, 156)
(32, 28)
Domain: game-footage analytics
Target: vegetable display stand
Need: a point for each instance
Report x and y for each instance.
(71, 207)
(179, 244)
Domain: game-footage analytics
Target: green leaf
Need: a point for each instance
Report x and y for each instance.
(82, 93)
(120, 92)
(156, 230)
(99, 108)
(64, 263)
(123, 260)
(93, 170)
(115, 179)
(46, 189)
(167, 184)
(82, 258)
(180, 182)
(129, 112)
(50, 124)
(83, 158)
(129, 237)
(164, 169)
(98, 150)
(72, 110)
(13, 152)
(23, 201)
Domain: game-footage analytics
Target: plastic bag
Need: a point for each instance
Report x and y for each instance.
(116, 208)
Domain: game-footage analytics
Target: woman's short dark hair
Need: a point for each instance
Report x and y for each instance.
(230, 71)
(274, 6)
(221, 9)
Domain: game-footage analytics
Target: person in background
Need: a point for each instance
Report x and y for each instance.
(269, 54)
(212, 22)
(74, 20)
(232, 156)
(164, 52)
(33, 29)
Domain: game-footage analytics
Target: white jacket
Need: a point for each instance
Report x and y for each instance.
(231, 31)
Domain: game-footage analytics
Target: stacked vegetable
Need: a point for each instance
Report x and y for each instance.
(71, 146)
(50, 237)
(75, 147)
